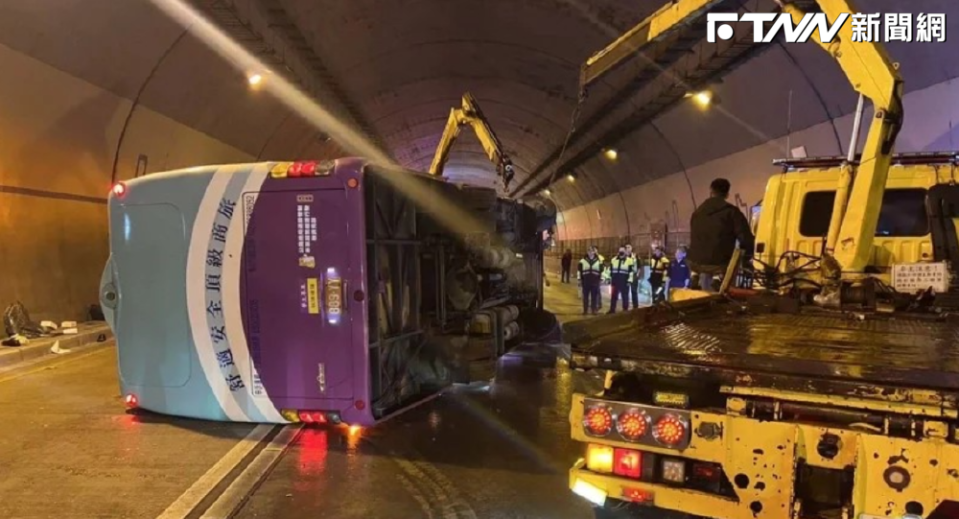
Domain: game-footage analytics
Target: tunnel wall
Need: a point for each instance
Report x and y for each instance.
(58, 142)
(931, 114)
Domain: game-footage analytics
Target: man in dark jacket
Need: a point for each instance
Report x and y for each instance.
(715, 228)
(567, 263)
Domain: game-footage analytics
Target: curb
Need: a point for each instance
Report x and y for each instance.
(37, 348)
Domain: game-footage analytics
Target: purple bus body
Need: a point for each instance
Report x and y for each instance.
(306, 357)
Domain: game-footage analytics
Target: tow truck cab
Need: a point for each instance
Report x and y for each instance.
(798, 204)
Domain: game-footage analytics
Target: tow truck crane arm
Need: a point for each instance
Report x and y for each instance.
(470, 113)
(869, 70)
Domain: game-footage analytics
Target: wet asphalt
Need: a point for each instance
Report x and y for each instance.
(497, 448)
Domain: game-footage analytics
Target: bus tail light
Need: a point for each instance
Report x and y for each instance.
(131, 401)
(598, 420)
(670, 430)
(307, 169)
(295, 170)
(599, 458)
(627, 463)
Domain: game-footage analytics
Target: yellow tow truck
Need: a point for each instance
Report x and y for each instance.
(827, 385)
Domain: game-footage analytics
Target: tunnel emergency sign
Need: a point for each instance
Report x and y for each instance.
(875, 27)
(910, 278)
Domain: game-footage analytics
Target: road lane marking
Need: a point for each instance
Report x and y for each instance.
(49, 362)
(189, 500)
(242, 487)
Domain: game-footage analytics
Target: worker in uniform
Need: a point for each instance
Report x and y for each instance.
(622, 270)
(588, 273)
(637, 275)
(679, 273)
(603, 277)
(658, 270)
(715, 228)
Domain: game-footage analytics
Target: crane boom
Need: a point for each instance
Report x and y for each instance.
(869, 70)
(665, 21)
(470, 113)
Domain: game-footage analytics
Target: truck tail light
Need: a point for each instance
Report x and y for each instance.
(670, 430)
(637, 495)
(119, 189)
(674, 471)
(627, 463)
(599, 458)
(598, 420)
(633, 424)
(706, 472)
(131, 401)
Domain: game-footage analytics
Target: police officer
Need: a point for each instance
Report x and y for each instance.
(603, 276)
(622, 271)
(590, 269)
(637, 275)
(658, 267)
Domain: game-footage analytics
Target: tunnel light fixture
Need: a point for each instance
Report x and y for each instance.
(254, 79)
(611, 153)
(703, 98)
(571, 177)
(547, 192)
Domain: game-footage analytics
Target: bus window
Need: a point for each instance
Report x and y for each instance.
(903, 213)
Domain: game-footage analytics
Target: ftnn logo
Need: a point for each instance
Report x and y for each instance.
(718, 25)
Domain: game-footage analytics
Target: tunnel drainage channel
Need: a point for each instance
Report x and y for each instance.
(230, 487)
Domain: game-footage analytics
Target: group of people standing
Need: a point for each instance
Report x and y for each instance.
(715, 229)
(625, 272)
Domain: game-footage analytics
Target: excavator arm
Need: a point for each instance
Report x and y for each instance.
(870, 72)
(470, 114)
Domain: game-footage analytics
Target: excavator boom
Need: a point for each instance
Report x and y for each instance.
(469, 113)
(870, 72)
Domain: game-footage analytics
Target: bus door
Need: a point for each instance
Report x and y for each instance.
(296, 260)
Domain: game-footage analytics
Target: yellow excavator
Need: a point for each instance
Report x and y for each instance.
(469, 113)
(824, 387)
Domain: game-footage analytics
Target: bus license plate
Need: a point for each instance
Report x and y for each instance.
(334, 296)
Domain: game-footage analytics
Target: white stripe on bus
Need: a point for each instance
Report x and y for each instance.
(232, 276)
(196, 293)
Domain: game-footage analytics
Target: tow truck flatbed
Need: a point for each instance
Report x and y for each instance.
(811, 351)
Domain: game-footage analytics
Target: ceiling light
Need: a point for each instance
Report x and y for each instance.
(546, 192)
(703, 98)
(611, 154)
(570, 177)
(254, 79)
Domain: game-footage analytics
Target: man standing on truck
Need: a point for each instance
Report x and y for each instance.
(637, 275)
(590, 269)
(622, 270)
(715, 227)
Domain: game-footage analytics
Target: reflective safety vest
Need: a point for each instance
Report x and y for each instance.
(590, 268)
(625, 266)
(659, 266)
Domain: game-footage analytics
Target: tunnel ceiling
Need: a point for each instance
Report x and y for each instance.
(395, 68)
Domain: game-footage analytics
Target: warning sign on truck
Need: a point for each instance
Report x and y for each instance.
(910, 278)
